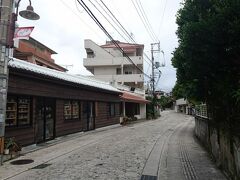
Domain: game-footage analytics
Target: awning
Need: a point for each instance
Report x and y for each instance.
(130, 97)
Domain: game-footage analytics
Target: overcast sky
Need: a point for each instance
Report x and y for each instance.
(64, 25)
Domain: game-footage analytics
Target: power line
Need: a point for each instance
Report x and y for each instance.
(86, 8)
(106, 19)
(79, 16)
(146, 19)
(118, 23)
(124, 30)
(149, 33)
(121, 27)
(162, 17)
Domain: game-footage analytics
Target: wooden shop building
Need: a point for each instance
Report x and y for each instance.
(45, 103)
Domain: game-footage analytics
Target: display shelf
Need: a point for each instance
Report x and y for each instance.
(23, 111)
(11, 113)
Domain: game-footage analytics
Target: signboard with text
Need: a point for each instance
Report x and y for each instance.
(23, 32)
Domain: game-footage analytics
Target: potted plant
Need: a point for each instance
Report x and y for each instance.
(7, 145)
(10, 145)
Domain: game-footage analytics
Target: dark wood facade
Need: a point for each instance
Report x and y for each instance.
(48, 96)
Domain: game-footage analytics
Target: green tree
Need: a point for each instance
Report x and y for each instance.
(208, 56)
(165, 102)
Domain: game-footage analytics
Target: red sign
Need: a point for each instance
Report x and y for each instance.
(23, 32)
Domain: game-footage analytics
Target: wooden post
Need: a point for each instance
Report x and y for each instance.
(1, 149)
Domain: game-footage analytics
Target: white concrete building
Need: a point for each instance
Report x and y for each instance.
(182, 105)
(133, 103)
(107, 63)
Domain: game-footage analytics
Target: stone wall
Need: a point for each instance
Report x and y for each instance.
(224, 148)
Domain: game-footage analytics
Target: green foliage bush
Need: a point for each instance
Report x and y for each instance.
(208, 56)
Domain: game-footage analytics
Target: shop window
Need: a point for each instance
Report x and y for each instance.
(71, 110)
(18, 111)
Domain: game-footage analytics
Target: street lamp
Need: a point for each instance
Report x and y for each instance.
(28, 13)
(7, 28)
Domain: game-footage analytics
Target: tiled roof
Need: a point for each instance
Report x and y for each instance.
(78, 79)
(122, 45)
(130, 97)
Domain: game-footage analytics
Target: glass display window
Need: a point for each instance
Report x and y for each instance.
(23, 111)
(75, 110)
(67, 110)
(71, 110)
(18, 111)
(11, 112)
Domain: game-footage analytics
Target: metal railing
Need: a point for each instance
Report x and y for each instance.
(201, 110)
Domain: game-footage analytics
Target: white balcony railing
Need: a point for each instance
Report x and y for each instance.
(116, 61)
(121, 78)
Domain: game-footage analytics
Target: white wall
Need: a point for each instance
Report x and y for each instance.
(105, 70)
(142, 111)
(121, 78)
(98, 51)
(181, 101)
(114, 52)
(111, 61)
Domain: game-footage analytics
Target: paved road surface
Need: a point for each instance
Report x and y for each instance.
(161, 149)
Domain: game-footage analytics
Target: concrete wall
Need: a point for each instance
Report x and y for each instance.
(224, 148)
(181, 101)
(105, 61)
(105, 70)
(142, 111)
(121, 78)
(98, 51)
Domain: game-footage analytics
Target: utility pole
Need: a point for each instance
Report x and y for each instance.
(155, 47)
(6, 8)
(8, 17)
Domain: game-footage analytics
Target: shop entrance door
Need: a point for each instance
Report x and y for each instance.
(88, 116)
(45, 117)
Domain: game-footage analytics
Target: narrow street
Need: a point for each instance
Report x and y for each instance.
(158, 149)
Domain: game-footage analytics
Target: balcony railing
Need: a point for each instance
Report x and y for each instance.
(201, 110)
(116, 61)
(121, 78)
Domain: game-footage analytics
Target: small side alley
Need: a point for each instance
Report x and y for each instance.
(156, 149)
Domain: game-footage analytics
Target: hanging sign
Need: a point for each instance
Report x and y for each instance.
(23, 32)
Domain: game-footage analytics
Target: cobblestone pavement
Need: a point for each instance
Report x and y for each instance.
(164, 147)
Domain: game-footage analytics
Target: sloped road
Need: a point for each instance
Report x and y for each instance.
(161, 149)
(184, 159)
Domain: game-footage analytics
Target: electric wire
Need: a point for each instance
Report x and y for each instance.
(113, 18)
(120, 26)
(77, 7)
(125, 31)
(68, 7)
(149, 33)
(86, 8)
(107, 19)
(146, 25)
(122, 29)
(162, 18)
(128, 35)
(142, 11)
